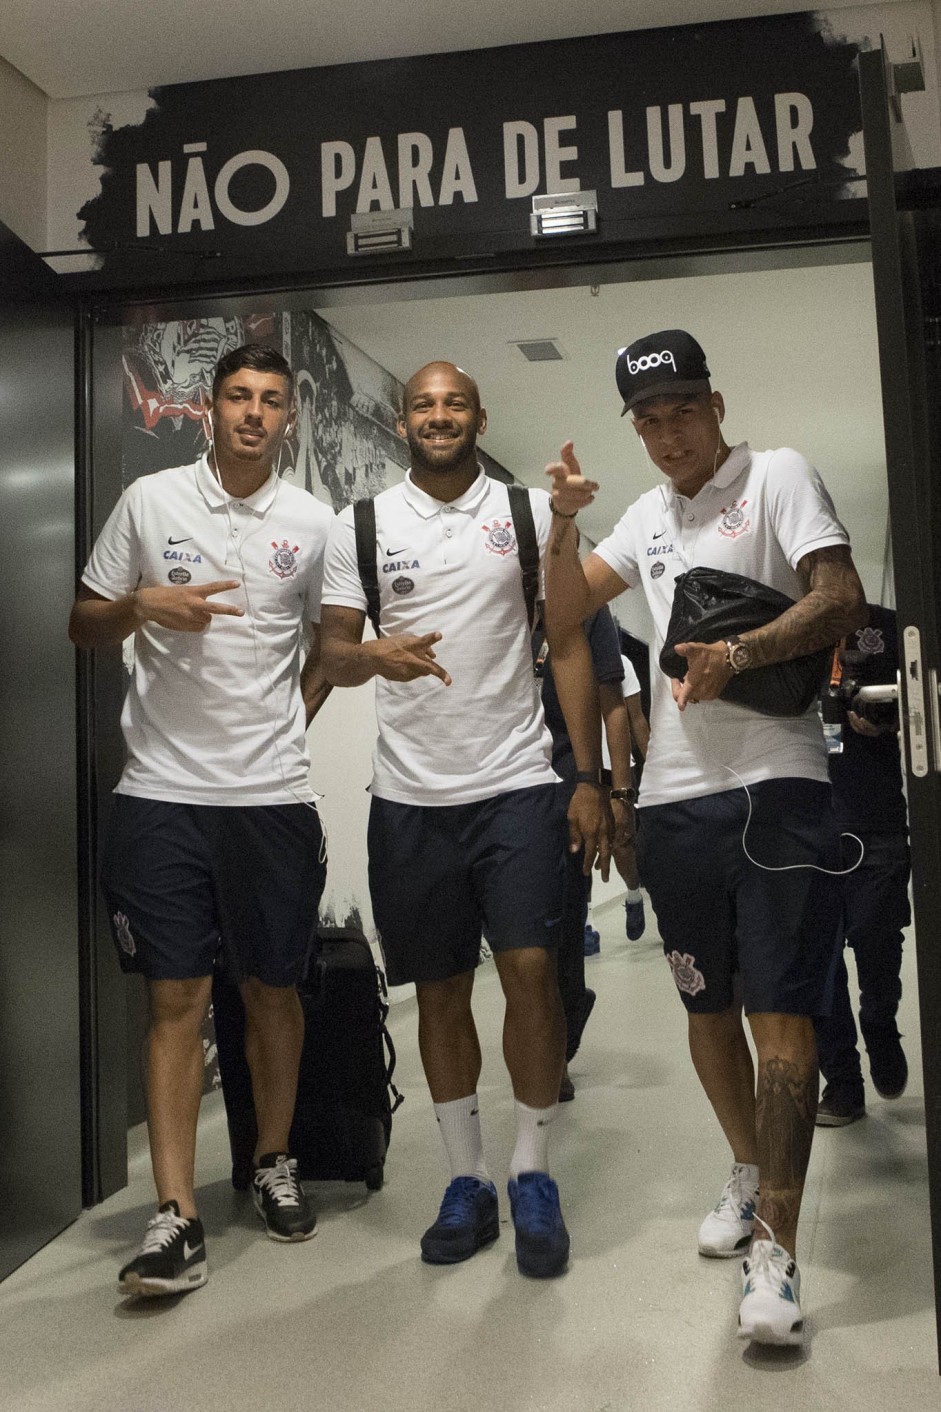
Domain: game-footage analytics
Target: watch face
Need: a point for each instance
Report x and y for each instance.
(739, 656)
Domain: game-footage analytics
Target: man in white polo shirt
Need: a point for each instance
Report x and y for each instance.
(466, 830)
(214, 840)
(750, 921)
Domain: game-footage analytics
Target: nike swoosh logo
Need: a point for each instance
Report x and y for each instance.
(394, 553)
(660, 535)
(190, 1250)
(180, 541)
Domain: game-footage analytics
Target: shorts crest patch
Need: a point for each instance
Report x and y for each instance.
(122, 931)
(870, 640)
(283, 561)
(500, 537)
(685, 973)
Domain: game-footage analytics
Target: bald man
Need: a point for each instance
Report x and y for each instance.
(467, 829)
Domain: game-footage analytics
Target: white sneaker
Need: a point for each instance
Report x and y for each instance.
(728, 1228)
(770, 1310)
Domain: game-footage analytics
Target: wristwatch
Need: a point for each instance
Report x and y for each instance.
(738, 653)
(626, 796)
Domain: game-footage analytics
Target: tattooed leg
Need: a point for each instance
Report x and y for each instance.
(785, 1107)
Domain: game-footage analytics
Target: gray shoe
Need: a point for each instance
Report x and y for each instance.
(839, 1106)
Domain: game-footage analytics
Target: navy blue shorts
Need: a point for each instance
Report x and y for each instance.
(184, 880)
(721, 917)
(440, 877)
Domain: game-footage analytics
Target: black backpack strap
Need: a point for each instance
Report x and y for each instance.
(522, 511)
(364, 521)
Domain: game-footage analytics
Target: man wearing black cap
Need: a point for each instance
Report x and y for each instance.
(757, 929)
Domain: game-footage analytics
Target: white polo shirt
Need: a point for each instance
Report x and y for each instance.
(216, 717)
(761, 513)
(454, 569)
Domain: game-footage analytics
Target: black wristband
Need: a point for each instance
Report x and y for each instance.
(589, 777)
(626, 795)
(559, 514)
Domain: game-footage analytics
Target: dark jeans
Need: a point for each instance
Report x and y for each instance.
(875, 909)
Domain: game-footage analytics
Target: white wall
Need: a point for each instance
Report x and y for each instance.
(23, 156)
(898, 24)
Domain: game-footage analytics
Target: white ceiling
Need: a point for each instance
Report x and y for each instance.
(793, 351)
(69, 48)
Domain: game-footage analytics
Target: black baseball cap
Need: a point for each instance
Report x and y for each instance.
(665, 364)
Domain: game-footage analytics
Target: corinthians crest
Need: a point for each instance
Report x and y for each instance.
(283, 561)
(500, 537)
(686, 973)
(734, 520)
(870, 640)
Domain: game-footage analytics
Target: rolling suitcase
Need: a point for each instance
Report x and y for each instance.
(345, 1094)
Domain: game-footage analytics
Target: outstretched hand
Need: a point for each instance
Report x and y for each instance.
(185, 607)
(570, 490)
(407, 657)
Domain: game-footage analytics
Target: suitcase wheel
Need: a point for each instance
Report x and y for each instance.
(374, 1177)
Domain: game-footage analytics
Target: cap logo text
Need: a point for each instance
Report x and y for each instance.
(650, 360)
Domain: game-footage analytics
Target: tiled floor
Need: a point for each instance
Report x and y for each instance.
(354, 1321)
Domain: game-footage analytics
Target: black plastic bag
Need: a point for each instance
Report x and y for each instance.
(711, 604)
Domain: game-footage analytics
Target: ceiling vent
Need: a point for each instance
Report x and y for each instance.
(541, 350)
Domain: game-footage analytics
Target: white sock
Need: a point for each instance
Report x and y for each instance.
(531, 1153)
(459, 1124)
(749, 1174)
(634, 894)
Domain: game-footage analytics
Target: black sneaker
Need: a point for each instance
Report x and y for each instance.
(172, 1257)
(280, 1200)
(542, 1242)
(888, 1066)
(467, 1221)
(634, 920)
(840, 1106)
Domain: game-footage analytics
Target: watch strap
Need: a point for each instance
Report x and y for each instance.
(589, 777)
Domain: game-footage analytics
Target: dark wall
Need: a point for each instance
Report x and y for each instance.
(40, 1108)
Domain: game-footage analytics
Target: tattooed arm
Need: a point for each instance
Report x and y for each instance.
(834, 604)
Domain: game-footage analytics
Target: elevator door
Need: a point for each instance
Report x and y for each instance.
(40, 1106)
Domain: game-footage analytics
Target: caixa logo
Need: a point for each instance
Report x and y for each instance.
(650, 360)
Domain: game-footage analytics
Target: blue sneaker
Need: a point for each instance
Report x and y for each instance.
(468, 1220)
(542, 1242)
(635, 921)
(592, 940)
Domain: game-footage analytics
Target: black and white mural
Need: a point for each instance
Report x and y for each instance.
(345, 445)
